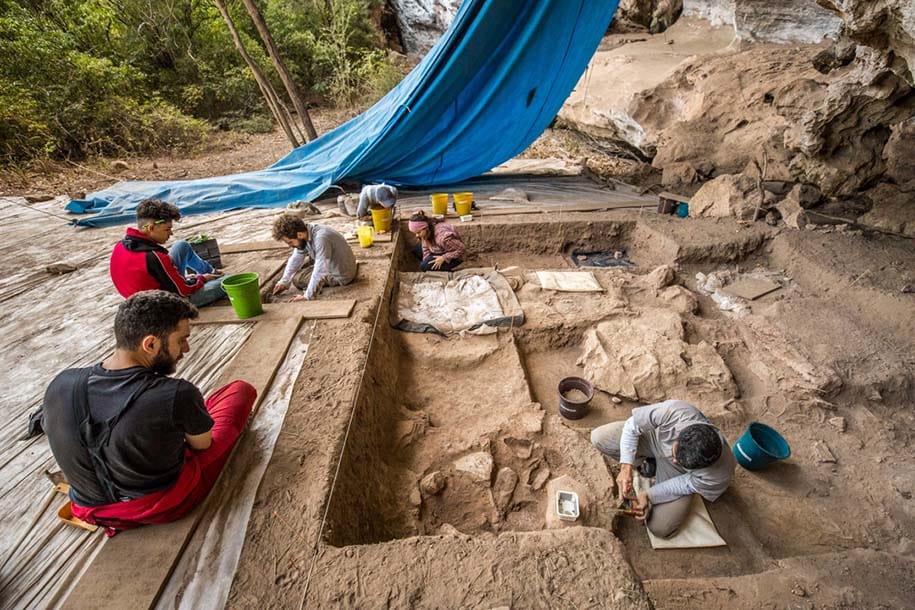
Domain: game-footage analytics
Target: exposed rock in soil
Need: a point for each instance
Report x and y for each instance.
(477, 465)
(504, 487)
(792, 213)
(432, 483)
(646, 358)
(728, 195)
(782, 364)
(892, 209)
(679, 299)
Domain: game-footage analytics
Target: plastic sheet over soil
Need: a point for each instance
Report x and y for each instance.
(474, 300)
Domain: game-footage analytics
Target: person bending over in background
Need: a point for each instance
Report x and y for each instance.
(676, 443)
(139, 262)
(136, 445)
(440, 247)
(373, 195)
(332, 258)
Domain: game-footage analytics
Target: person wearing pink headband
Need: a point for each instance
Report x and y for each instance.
(440, 248)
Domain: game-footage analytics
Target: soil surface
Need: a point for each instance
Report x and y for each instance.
(442, 497)
(415, 470)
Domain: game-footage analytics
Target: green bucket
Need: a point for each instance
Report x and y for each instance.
(243, 290)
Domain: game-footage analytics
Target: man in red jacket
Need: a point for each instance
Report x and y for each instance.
(139, 262)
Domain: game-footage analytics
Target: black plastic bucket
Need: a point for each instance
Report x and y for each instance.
(569, 407)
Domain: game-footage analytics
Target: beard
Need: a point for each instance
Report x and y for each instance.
(163, 363)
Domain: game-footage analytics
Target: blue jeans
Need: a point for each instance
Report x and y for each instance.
(184, 259)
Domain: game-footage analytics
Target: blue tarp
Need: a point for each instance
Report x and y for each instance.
(482, 94)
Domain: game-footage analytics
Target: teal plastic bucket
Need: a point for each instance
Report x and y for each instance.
(243, 290)
(759, 446)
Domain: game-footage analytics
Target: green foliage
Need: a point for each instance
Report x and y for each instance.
(83, 77)
(332, 46)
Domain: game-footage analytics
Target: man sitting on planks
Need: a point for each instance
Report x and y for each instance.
(333, 260)
(139, 262)
(675, 442)
(136, 445)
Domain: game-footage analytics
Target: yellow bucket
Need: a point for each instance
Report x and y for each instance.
(439, 203)
(381, 218)
(463, 203)
(366, 235)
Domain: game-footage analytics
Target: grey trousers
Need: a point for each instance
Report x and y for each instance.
(665, 519)
(301, 279)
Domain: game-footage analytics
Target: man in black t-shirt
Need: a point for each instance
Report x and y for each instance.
(136, 445)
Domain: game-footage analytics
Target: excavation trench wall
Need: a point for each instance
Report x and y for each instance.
(360, 509)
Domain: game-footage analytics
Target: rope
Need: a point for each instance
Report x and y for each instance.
(28, 207)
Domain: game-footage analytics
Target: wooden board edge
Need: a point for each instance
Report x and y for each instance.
(183, 528)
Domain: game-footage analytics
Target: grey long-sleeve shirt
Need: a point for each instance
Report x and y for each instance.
(382, 194)
(660, 426)
(332, 256)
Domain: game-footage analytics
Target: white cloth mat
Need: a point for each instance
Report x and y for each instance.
(569, 281)
(697, 532)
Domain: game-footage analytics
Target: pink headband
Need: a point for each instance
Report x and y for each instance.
(417, 225)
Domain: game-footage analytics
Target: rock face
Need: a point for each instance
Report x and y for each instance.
(655, 15)
(422, 22)
(617, 98)
(701, 108)
(781, 21)
(885, 25)
(900, 162)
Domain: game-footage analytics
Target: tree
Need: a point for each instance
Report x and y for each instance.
(291, 88)
(273, 101)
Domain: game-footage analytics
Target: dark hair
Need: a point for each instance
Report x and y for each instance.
(151, 312)
(155, 209)
(420, 216)
(287, 226)
(698, 446)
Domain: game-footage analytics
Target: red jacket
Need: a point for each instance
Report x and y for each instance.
(138, 263)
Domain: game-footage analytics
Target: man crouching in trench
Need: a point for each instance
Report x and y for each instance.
(675, 443)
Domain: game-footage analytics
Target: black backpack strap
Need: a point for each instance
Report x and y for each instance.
(95, 435)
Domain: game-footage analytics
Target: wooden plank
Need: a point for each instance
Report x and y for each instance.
(132, 568)
(673, 197)
(750, 288)
(312, 310)
(252, 246)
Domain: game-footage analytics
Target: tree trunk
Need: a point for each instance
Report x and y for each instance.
(273, 101)
(291, 88)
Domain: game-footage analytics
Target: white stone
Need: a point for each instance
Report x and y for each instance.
(476, 465)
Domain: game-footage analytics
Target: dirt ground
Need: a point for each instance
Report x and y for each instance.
(421, 514)
(412, 470)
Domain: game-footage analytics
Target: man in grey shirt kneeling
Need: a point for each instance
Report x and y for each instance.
(332, 258)
(689, 453)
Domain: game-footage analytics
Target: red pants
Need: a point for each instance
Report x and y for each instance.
(229, 406)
